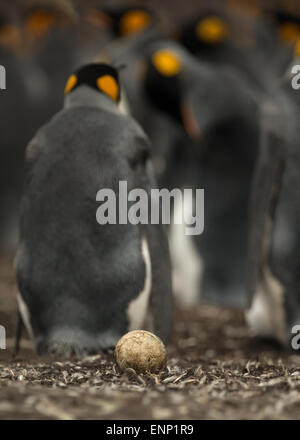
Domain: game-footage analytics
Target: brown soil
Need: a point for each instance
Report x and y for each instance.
(215, 370)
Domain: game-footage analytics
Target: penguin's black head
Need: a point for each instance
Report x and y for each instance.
(101, 77)
(123, 21)
(208, 31)
(161, 82)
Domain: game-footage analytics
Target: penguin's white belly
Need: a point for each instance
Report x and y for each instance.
(187, 264)
(24, 312)
(138, 310)
(266, 316)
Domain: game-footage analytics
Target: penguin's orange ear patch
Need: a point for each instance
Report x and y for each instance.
(108, 85)
(10, 36)
(71, 83)
(166, 62)
(40, 22)
(134, 21)
(212, 30)
(289, 32)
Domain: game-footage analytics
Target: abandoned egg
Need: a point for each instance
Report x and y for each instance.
(142, 351)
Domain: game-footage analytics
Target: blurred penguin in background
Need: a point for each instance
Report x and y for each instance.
(14, 133)
(246, 40)
(287, 25)
(218, 108)
(37, 52)
(91, 30)
(274, 235)
(284, 17)
(48, 28)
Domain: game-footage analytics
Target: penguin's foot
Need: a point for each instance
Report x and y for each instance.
(74, 342)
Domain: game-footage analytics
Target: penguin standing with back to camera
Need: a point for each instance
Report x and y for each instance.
(83, 284)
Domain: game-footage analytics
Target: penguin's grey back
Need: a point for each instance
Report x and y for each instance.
(63, 249)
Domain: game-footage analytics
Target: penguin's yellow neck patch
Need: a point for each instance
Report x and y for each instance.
(166, 62)
(71, 83)
(134, 21)
(212, 30)
(108, 85)
(40, 22)
(289, 32)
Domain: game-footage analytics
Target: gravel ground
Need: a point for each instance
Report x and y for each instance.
(215, 370)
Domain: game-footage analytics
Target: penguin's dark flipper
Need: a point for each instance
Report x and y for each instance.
(18, 334)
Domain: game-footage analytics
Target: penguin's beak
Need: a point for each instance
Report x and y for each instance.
(189, 122)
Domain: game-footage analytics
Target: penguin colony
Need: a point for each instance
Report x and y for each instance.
(100, 92)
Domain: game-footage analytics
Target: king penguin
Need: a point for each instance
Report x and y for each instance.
(84, 284)
(219, 111)
(274, 235)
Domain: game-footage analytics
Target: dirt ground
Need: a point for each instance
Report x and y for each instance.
(215, 370)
